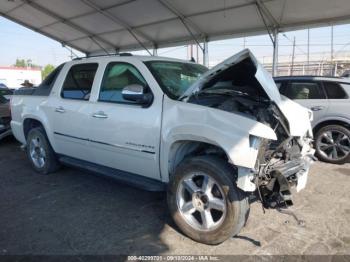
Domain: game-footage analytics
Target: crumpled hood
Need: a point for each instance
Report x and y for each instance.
(296, 115)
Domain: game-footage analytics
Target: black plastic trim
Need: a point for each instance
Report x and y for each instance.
(123, 177)
(104, 143)
(80, 138)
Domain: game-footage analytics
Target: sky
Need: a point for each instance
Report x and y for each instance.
(20, 42)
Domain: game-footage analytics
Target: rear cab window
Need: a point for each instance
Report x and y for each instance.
(79, 81)
(46, 86)
(50, 79)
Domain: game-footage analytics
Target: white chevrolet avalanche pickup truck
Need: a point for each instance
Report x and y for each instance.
(212, 138)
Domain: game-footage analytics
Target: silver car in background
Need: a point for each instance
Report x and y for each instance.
(329, 99)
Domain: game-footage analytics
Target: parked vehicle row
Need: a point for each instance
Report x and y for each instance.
(5, 116)
(210, 137)
(6, 92)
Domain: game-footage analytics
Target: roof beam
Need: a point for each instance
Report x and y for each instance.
(267, 27)
(171, 19)
(180, 16)
(267, 13)
(251, 3)
(90, 13)
(280, 20)
(16, 7)
(260, 30)
(248, 4)
(95, 38)
(185, 21)
(118, 21)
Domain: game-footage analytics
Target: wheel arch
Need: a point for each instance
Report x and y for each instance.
(31, 122)
(180, 149)
(330, 122)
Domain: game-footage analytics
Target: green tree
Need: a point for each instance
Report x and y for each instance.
(20, 63)
(46, 71)
(25, 63)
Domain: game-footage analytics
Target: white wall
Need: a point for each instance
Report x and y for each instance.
(13, 77)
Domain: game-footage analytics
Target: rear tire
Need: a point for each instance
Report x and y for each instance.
(333, 144)
(205, 202)
(40, 153)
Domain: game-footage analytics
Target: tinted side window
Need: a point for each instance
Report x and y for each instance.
(334, 90)
(281, 85)
(117, 76)
(303, 90)
(78, 82)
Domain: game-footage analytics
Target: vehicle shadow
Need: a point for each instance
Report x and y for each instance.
(72, 212)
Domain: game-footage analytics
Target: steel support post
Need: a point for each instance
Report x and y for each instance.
(275, 53)
(155, 51)
(205, 54)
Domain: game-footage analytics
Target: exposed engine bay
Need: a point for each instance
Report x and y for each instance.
(279, 162)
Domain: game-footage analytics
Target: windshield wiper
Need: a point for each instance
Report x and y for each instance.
(181, 98)
(221, 91)
(228, 92)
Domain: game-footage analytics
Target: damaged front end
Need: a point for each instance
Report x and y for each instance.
(282, 164)
(240, 85)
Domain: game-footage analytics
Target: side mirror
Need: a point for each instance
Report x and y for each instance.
(137, 93)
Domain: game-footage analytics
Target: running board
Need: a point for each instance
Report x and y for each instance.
(123, 177)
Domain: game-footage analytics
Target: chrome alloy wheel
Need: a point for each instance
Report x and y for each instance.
(37, 152)
(334, 145)
(201, 201)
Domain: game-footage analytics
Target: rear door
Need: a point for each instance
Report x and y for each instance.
(125, 135)
(67, 109)
(309, 94)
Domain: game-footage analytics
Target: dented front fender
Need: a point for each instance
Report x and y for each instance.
(229, 131)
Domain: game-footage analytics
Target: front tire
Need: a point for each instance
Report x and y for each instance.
(205, 202)
(333, 144)
(40, 153)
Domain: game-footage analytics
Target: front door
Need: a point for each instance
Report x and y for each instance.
(125, 135)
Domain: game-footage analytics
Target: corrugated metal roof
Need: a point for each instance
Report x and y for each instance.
(93, 26)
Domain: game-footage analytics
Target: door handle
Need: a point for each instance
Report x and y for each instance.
(100, 115)
(317, 108)
(60, 109)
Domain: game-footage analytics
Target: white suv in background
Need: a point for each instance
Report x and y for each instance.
(329, 99)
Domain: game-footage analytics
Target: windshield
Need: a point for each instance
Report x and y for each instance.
(175, 77)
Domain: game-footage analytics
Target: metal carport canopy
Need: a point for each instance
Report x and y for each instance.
(92, 26)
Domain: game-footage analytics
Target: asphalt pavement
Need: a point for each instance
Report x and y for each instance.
(73, 212)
